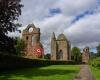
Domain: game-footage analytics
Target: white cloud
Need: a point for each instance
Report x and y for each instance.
(49, 25)
(72, 8)
(14, 34)
(82, 33)
(35, 10)
(85, 32)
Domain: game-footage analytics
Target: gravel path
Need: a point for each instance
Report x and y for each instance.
(85, 73)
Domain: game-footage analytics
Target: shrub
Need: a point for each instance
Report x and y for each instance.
(96, 62)
(14, 62)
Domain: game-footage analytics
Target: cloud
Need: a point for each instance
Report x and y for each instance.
(35, 10)
(14, 34)
(58, 16)
(73, 8)
(49, 25)
(85, 32)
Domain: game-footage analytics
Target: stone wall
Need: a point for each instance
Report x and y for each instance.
(34, 48)
(60, 48)
(85, 55)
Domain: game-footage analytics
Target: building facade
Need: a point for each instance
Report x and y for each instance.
(60, 48)
(31, 37)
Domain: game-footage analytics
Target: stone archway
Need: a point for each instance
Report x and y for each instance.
(60, 55)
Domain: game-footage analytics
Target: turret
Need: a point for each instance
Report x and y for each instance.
(53, 47)
(53, 36)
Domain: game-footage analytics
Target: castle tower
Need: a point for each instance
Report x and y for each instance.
(85, 55)
(31, 37)
(60, 48)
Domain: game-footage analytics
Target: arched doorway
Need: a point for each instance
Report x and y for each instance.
(60, 55)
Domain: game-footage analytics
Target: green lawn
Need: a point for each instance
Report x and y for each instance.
(96, 72)
(53, 72)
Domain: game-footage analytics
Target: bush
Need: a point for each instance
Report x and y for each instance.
(14, 62)
(96, 62)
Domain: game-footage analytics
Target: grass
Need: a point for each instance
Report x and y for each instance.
(96, 72)
(53, 72)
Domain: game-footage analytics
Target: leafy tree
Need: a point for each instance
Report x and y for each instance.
(47, 56)
(20, 46)
(76, 53)
(98, 50)
(92, 55)
(10, 10)
(7, 45)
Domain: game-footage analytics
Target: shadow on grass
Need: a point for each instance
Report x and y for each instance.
(33, 72)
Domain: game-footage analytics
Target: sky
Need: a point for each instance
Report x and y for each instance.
(79, 20)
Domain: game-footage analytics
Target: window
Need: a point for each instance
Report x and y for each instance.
(33, 40)
(26, 37)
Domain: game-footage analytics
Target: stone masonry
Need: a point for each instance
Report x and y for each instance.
(31, 37)
(60, 48)
(85, 55)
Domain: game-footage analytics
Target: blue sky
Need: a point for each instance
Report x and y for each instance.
(79, 20)
(55, 11)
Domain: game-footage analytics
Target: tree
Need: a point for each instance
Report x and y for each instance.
(47, 56)
(76, 53)
(7, 45)
(10, 10)
(20, 46)
(92, 55)
(98, 50)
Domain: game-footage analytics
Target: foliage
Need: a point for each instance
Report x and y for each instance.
(98, 50)
(92, 55)
(76, 53)
(96, 62)
(9, 13)
(6, 44)
(20, 46)
(47, 56)
(13, 62)
(96, 72)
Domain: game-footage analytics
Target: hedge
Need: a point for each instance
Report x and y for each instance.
(13, 62)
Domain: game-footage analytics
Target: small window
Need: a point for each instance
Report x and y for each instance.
(27, 38)
(33, 39)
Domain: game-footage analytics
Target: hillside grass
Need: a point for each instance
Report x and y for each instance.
(53, 72)
(96, 72)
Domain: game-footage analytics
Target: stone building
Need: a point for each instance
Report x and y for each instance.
(31, 37)
(85, 55)
(60, 48)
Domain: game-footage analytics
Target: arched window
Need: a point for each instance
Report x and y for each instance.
(26, 37)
